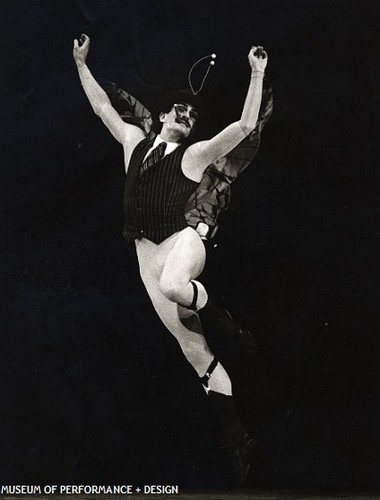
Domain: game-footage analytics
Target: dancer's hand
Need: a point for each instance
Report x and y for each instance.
(258, 59)
(81, 48)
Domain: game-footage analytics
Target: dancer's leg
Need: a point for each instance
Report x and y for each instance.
(152, 259)
(185, 261)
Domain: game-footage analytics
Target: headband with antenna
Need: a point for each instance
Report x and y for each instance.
(211, 63)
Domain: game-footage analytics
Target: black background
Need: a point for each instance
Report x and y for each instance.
(93, 387)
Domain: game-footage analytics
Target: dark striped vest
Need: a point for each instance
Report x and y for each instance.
(154, 201)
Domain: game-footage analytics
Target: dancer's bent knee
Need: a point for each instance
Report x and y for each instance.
(173, 288)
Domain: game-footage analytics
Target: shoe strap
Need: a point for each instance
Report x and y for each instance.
(209, 371)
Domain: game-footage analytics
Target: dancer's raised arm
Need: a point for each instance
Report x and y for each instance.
(201, 154)
(127, 134)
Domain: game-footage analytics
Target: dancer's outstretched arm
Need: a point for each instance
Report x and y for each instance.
(127, 134)
(201, 154)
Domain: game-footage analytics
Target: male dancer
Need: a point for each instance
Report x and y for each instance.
(161, 176)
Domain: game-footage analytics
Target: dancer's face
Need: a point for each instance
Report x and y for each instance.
(185, 113)
(181, 118)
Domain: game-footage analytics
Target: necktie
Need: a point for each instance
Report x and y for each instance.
(154, 156)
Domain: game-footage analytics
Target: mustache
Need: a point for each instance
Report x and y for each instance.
(181, 119)
(185, 121)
